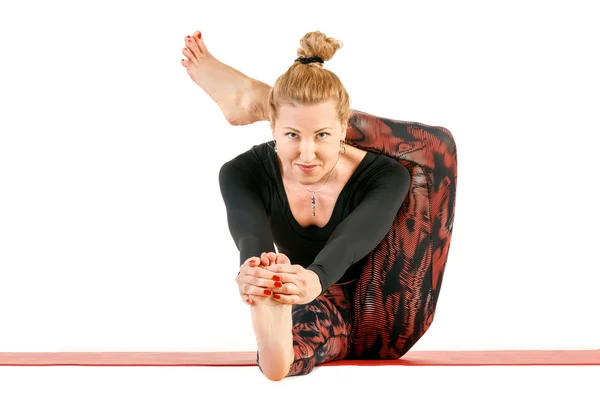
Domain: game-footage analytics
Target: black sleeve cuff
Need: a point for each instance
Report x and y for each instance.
(318, 269)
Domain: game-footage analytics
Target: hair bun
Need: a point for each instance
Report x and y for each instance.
(318, 45)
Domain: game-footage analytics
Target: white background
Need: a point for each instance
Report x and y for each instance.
(113, 234)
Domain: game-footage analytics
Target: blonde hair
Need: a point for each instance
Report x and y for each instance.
(308, 84)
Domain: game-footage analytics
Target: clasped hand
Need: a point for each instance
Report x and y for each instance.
(273, 275)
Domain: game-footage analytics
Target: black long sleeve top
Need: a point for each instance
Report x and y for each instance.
(259, 216)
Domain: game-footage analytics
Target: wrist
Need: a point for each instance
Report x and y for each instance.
(315, 284)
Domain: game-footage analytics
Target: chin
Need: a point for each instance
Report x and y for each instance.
(309, 180)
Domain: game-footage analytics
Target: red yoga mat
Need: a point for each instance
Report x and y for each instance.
(216, 359)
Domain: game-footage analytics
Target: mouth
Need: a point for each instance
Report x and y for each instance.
(306, 168)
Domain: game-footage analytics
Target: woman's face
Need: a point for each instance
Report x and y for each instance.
(308, 140)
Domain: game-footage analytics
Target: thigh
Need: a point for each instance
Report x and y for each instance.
(322, 329)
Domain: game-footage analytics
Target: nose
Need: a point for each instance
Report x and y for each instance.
(307, 151)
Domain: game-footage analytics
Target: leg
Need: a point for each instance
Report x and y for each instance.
(400, 283)
(321, 330)
(242, 100)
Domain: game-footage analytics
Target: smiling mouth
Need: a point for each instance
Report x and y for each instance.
(306, 168)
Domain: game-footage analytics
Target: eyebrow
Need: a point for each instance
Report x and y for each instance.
(297, 131)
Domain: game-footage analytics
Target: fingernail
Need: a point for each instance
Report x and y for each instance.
(248, 301)
(278, 284)
(251, 263)
(188, 37)
(276, 296)
(276, 278)
(199, 35)
(268, 292)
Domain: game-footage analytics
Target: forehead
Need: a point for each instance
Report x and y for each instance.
(307, 116)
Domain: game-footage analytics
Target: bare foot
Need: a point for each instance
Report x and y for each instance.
(272, 322)
(240, 98)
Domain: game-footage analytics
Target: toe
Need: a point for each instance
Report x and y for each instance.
(189, 54)
(200, 42)
(193, 47)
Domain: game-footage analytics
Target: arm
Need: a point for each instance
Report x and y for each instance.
(366, 226)
(246, 214)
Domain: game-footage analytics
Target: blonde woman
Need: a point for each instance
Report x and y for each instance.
(324, 203)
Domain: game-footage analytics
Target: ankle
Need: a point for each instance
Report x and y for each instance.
(256, 101)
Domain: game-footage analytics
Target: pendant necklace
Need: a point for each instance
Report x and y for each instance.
(313, 199)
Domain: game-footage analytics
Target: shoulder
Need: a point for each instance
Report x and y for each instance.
(383, 168)
(257, 157)
(254, 164)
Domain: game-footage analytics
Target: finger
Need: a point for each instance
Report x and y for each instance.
(286, 288)
(287, 299)
(261, 272)
(255, 290)
(283, 268)
(282, 259)
(266, 283)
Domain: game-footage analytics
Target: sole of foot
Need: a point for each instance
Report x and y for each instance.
(272, 323)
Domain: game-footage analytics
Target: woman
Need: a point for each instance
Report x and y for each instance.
(325, 204)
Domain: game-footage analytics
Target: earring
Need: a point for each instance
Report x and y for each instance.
(343, 146)
(275, 147)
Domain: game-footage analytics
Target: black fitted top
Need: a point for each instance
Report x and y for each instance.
(259, 216)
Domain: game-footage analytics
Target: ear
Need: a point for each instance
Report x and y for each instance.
(344, 130)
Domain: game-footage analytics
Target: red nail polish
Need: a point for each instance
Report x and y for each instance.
(268, 292)
(248, 301)
(199, 35)
(278, 284)
(276, 278)
(188, 37)
(276, 296)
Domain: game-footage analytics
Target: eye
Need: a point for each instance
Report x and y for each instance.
(322, 135)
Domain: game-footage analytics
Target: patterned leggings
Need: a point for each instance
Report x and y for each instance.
(322, 329)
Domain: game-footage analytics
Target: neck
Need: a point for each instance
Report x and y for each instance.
(325, 179)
